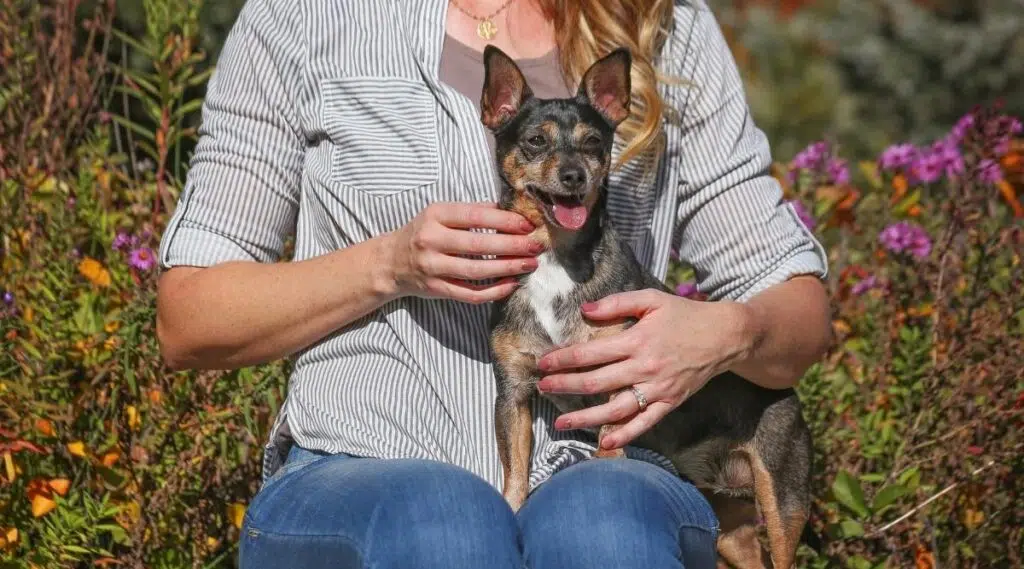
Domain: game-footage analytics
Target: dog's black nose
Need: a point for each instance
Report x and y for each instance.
(572, 177)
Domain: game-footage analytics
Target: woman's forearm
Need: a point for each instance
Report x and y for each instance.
(789, 328)
(239, 314)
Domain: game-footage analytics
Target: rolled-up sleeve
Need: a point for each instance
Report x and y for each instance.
(241, 194)
(732, 225)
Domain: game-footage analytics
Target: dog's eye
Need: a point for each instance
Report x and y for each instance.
(592, 141)
(537, 140)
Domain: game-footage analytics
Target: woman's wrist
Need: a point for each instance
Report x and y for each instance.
(384, 281)
(747, 328)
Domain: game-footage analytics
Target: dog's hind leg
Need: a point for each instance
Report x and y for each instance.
(738, 546)
(784, 514)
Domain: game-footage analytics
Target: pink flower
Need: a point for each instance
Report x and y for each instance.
(142, 258)
(897, 156)
(121, 241)
(801, 212)
(838, 171)
(906, 237)
(810, 158)
(864, 285)
(989, 171)
(687, 289)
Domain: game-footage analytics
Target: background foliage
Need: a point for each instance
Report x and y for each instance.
(109, 459)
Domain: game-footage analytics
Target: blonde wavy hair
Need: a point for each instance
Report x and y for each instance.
(590, 29)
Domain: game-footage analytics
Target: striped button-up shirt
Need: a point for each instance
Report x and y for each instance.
(326, 120)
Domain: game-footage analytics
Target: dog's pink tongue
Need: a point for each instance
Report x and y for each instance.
(570, 216)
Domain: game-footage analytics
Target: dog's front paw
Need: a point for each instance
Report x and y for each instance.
(605, 453)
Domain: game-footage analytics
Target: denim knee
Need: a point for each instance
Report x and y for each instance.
(618, 513)
(383, 513)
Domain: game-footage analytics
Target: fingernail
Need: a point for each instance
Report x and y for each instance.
(536, 247)
(542, 365)
(529, 264)
(563, 424)
(542, 385)
(527, 226)
(589, 306)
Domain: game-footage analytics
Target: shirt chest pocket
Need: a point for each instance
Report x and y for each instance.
(383, 133)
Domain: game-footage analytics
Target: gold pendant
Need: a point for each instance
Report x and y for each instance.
(487, 30)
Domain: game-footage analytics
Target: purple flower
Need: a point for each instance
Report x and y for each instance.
(142, 258)
(8, 298)
(906, 237)
(947, 151)
(810, 158)
(864, 285)
(121, 241)
(687, 289)
(802, 213)
(838, 171)
(1015, 127)
(897, 156)
(927, 168)
(961, 127)
(989, 171)
(71, 202)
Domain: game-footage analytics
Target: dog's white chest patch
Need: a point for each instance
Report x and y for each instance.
(549, 282)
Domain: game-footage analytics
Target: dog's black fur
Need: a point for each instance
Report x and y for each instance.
(738, 442)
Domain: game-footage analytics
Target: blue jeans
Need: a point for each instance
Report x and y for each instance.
(342, 512)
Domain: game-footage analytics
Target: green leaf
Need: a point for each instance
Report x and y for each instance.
(870, 171)
(137, 129)
(858, 562)
(132, 42)
(189, 107)
(887, 496)
(851, 528)
(848, 492)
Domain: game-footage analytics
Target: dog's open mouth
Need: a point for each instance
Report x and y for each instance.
(568, 212)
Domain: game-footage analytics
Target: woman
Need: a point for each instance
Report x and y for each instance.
(355, 126)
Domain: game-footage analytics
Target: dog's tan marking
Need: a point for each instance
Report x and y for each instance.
(784, 528)
(738, 546)
(513, 420)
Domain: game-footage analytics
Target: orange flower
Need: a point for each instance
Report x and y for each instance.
(44, 427)
(1008, 193)
(92, 270)
(899, 183)
(40, 493)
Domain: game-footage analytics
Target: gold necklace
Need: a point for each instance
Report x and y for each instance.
(486, 29)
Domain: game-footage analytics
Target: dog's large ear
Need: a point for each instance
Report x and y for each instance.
(606, 85)
(505, 89)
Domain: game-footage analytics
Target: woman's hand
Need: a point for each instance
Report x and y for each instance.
(672, 351)
(427, 255)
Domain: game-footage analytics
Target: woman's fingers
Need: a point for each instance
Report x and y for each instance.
(475, 269)
(638, 425)
(621, 406)
(470, 293)
(479, 216)
(461, 242)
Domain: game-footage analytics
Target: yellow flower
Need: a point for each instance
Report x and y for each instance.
(94, 271)
(8, 539)
(77, 448)
(110, 344)
(111, 326)
(236, 512)
(42, 505)
(133, 418)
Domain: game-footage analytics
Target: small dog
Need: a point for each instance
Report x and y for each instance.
(747, 448)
